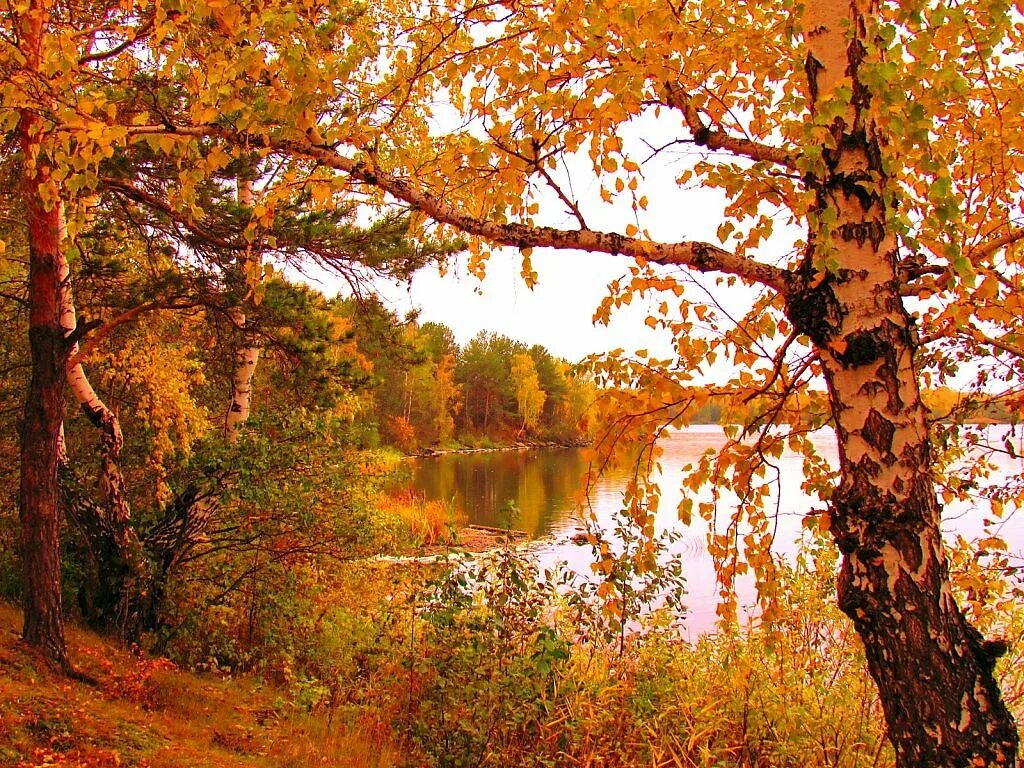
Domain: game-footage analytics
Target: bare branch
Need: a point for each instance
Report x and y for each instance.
(538, 166)
(979, 337)
(140, 34)
(11, 297)
(573, 208)
(777, 363)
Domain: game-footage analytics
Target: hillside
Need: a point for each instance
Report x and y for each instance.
(143, 712)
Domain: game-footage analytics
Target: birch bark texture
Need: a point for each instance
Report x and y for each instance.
(933, 670)
(844, 295)
(553, 81)
(247, 355)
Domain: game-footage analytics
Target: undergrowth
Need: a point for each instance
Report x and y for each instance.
(490, 662)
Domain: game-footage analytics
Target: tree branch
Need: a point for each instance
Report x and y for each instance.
(702, 257)
(704, 136)
(990, 247)
(152, 202)
(980, 337)
(106, 328)
(11, 297)
(936, 278)
(777, 363)
(537, 165)
(140, 34)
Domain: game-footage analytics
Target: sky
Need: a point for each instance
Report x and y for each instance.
(557, 313)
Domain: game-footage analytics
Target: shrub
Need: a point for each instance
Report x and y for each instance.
(428, 521)
(497, 670)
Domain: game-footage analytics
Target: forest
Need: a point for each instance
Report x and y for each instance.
(207, 553)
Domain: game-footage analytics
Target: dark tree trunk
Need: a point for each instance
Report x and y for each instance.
(127, 575)
(40, 516)
(932, 668)
(116, 571)
(43, 417)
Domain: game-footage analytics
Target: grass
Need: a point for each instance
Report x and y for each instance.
(143, 712)
(431, 522)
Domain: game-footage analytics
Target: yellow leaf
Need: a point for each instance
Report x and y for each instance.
(992, 542)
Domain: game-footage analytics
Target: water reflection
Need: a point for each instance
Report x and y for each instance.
(544, 484)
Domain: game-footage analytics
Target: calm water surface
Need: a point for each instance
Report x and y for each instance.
(546, 484)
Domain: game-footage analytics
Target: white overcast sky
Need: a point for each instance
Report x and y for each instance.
(558, 311)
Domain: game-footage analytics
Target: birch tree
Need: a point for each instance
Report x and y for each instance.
(530, 397)
(888, 133)
(76, 79)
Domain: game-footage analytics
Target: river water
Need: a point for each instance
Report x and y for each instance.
(545, 485)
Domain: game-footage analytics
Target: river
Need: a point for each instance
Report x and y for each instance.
(545, 486)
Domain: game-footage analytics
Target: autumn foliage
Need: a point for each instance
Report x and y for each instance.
(859, 261)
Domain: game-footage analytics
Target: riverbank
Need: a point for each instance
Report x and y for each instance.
(519, 445)
(475, 539)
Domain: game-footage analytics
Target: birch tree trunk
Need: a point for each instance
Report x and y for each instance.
(130, 572)
(121, 572)
(248, 354)
(933, 670)
(246, 359)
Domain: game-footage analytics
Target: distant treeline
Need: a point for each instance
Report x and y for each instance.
(423, 390)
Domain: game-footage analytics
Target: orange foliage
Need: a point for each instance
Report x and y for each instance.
(430, 521)
(401, 433)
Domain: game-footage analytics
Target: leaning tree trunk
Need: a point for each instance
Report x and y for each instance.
(128, 575)
(933, 670)
(120, 573)
(44, 405)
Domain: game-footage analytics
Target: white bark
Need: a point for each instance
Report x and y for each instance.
(246, 359)
(933, 670)
(94, 407)
(248, 355)
(97, 411)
